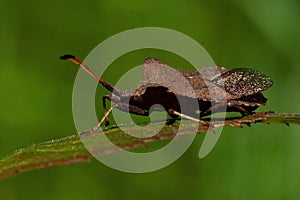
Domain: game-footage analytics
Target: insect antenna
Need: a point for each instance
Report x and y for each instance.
(78, 62)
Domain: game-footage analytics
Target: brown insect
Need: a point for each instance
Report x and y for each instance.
(241, 87)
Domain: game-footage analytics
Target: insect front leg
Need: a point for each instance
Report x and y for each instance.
(108, 97)
(121, 106)
(96, 128)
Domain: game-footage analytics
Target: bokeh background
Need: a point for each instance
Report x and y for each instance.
(260, 162)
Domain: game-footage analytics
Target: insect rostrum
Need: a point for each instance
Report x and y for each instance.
(242, 89)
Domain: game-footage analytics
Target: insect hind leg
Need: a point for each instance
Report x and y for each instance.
(220, 107)
(227, 107)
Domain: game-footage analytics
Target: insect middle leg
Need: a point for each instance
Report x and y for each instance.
(173, 112)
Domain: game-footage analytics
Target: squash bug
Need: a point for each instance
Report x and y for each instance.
(242, 88)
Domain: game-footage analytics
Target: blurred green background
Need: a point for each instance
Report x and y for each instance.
(261, 162)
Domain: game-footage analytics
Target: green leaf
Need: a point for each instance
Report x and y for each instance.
(70, 149)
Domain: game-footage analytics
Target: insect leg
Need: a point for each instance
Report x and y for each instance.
(121, 106)
(243, 111)
(241, 106)
(229, 106)
(132, 109)
(173, 112)
(96, 128)
(221, 107)
(108, 97)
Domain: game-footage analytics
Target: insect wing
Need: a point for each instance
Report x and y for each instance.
(243, 81)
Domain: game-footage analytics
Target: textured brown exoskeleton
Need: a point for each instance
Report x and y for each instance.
(241, 87)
